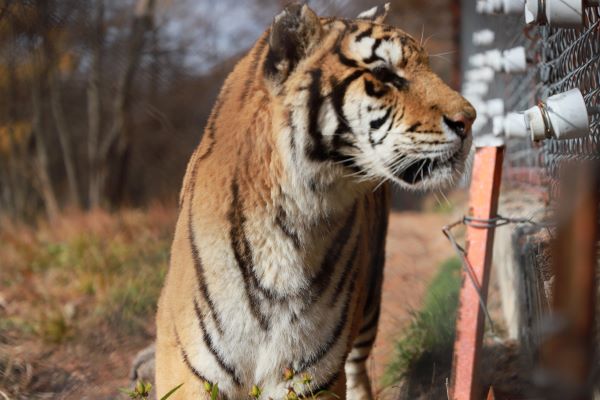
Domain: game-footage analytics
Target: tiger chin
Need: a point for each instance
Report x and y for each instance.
(277, 261)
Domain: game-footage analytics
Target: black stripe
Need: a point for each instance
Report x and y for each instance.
(198, 266)
(371, 91)
(381, 140)
(364, 343)
(375, 278)
(376, 124)
(358, 359)
(292, 135)
(210, 136)
(337, 49)
(413, 127)
(364, 34)
(343, 278)
(186, 360)
(316, 149)
(371, 323)
(335, 334)
(374, 57)
(320, 281)
(338, 93)
(209, 343)
(348, 62)
(348, 162)
(243, 254)
(211, 128)
(281, 221)
(199, 269)
(401, 115)
(253, 67)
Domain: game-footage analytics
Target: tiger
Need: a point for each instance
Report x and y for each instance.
(275, 277)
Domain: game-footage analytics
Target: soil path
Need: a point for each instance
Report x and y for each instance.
(415, 249)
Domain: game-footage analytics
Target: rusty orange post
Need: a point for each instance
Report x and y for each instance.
(483, 204)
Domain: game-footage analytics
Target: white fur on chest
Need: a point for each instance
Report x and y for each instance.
(296, 331)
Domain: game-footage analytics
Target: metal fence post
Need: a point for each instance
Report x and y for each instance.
(483, 204)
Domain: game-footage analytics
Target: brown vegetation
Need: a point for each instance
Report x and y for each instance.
(78, 297)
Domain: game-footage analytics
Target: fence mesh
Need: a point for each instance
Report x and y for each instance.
(570, 58)
(560, 59)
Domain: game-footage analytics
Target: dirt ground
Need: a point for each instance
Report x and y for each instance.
(415, 248)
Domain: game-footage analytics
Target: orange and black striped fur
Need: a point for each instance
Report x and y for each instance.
(277, 261)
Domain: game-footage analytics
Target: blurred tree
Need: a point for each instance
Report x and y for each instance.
(116, 146)
(103, 101)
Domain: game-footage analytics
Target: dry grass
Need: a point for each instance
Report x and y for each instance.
(86, 279)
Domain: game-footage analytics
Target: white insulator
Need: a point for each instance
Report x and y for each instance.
(563, 116)
(511, 125)
(564, 13)
(500, 6)
(495, 6)
(479, 89)
(498, 125)
(485, 7)
(479, 123)
(484, 74)
(490, 108)
(493, 59)
(484, 37)
(513, 6)
(558, 13)
(477, 60)
(533, 13)
(480, 6)
(514, 60)
(494, 107)
(487, 140)
(515, 126)
(509, 61)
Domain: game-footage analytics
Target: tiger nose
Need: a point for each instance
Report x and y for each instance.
(460, 123)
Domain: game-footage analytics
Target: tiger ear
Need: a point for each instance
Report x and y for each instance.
(377, 14)
(294, 34)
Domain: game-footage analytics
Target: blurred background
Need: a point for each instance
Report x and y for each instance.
(102, 102)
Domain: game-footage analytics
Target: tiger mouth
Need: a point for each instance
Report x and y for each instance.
(423, 169)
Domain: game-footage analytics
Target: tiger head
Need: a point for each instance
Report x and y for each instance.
(366, 98)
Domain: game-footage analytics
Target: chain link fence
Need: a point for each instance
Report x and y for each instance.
(559, 60)
(570, 58)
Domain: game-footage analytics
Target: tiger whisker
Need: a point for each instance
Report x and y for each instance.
(383, 180)
(443, 53)
(429, 37)
(442, 57)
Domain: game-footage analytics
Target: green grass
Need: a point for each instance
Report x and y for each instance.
(426, 346)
